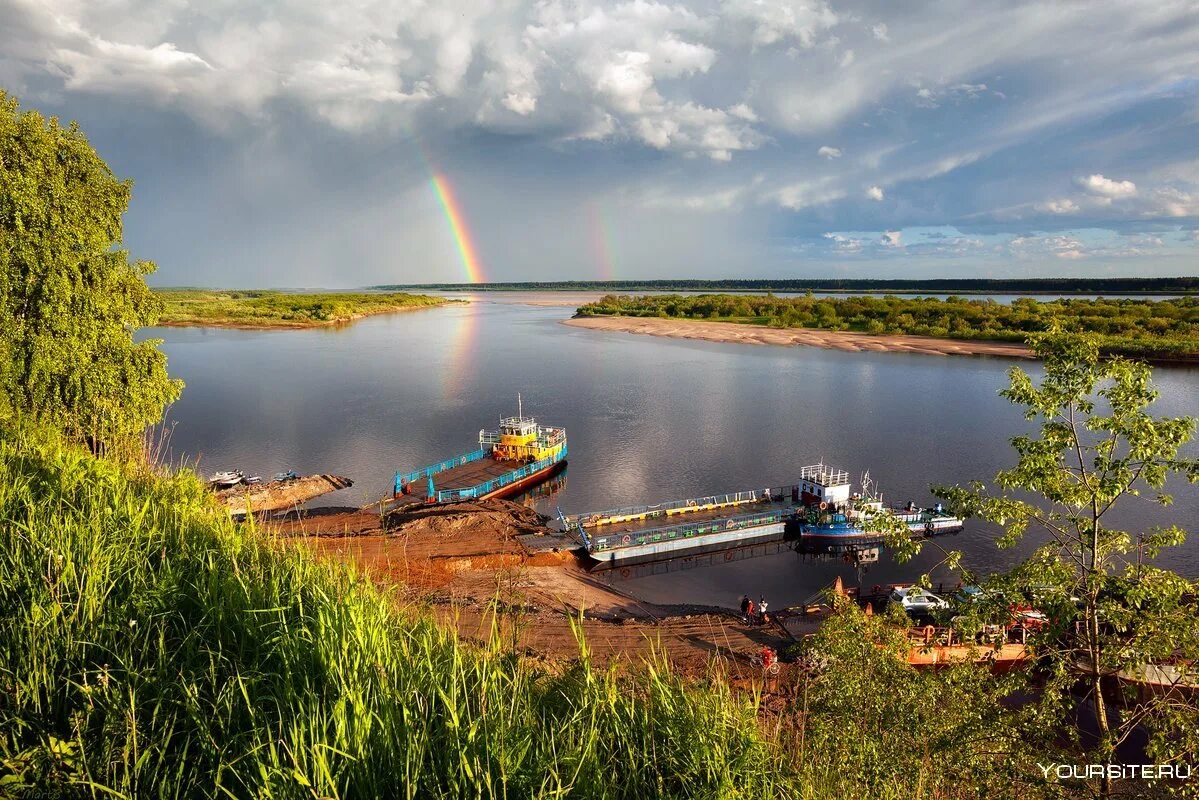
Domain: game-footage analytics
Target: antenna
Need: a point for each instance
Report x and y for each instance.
(519, 410)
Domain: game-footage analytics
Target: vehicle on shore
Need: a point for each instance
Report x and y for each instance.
(917, 601)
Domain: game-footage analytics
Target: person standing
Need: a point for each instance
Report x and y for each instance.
(762, 609)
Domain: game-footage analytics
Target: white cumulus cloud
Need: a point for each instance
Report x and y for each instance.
(1106, 187)
(829, 152)
(875, 193)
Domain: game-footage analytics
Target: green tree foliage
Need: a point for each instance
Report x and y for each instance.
(1114, 615)
(873, 726)
(1163, 328)
(70, 299)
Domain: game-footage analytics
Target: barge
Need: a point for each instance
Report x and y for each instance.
(520, 454)
(695, 525)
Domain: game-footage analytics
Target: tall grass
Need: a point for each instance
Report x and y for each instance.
(149, 647)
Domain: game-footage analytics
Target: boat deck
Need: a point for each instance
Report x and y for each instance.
(473, 473)
(649, 523)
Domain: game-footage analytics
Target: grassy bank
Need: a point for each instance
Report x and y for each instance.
(1160, 329)
(150, 647)
(264, 309)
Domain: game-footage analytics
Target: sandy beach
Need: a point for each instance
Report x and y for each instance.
(836, 340)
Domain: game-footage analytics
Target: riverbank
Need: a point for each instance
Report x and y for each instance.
(467, 559)
(267, 310)
(737, 333)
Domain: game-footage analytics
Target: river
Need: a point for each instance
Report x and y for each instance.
(648, 419)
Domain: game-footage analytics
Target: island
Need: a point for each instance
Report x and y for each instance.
(274, 309)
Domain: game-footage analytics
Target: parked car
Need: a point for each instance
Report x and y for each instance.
(916, 600)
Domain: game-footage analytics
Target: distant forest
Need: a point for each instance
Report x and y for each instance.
(933, 286)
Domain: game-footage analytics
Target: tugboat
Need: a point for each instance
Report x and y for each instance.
(834, 514)
(520, 454)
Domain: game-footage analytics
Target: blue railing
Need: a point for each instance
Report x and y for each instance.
(452, 495)
(449, 463)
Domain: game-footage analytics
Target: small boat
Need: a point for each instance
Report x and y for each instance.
(227, 479)
(290, 475)
(253, 479)
(833, 513)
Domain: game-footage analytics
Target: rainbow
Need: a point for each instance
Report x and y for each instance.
(457, 220)
(601, 243)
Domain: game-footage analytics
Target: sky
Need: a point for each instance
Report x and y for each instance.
(309, 143)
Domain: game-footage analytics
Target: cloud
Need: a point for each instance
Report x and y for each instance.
(1062, 206)
(1106, 187)
(892, 239)
(806, 194)
(709, 108)
(774, 21)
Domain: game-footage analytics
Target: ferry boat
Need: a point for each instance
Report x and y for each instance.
(520, 454)
(832, 513)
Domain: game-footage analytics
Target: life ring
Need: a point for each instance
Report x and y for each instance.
(626, 540)
(691, 503)
(624, 572)
(929, 633)
(823, 505)
(877, 590)
(728, 555)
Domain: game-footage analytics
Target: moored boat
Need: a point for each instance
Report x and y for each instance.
(520, 454)
(833, 513)
(223, 480)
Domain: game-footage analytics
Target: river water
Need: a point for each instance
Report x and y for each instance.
(648, 419)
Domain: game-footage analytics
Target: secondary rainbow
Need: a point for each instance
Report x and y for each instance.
(457, 220)
(601, 242)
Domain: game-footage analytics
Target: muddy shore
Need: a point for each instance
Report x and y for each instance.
(466, 560)
(737, 333)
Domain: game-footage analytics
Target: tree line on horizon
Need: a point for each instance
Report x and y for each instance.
(1133, 285)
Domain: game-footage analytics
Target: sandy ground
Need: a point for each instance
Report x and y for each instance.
(836, 340)
(466, 561)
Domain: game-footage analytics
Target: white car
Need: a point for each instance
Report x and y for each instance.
(916, 600)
